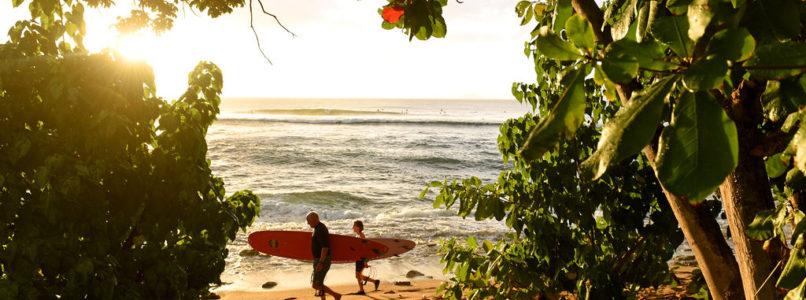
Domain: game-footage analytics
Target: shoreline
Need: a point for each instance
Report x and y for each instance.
(419, 289)
(288, 277)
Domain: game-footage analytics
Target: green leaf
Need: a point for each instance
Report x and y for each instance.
(563, 121)
(795, 179)
(678, 7)
(646, 16)
(580, 31)
(781, 98)
(641, 20)
(762, 228)
(630, 129)
(521, 7)
(386, 25)
(529, 14)
(776, 165)
(699, 148)
(773, 21)
(488, 246)
(562, 11)
(672, 31)
(700, 13)
(798, 293)
(705, 74)
(550, 45)
(610, 87)
(598, 75)
(540, 9)
(471, 241)
(732, 44)
(620, 67)
(778, 61)
(790, 122)
(649, 53)
(440, 29)
(799, 144)
(621, 27)
(424, 192)
(737, 3)
(438, 200)
(794, 271)
(800, 226)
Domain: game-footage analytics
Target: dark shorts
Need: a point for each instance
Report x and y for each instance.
(360, 265)
(319, 277)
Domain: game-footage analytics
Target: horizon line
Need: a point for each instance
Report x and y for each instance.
(366, 98)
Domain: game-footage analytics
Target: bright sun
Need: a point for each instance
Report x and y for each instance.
(138, 46)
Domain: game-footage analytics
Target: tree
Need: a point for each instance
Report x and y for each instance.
(709, 91)
(105, 189)
(597, 239)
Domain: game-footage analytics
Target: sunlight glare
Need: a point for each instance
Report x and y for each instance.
(138, 46)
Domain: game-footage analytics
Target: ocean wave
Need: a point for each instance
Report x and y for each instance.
(320, 112)
(358, 121)
(433, 160)
(320, 198)
(413, 214)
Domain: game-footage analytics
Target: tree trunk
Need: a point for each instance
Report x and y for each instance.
(746, 191)
(701, 230)
(744, 194)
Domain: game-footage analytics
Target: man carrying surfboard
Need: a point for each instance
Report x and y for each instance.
(321, 257)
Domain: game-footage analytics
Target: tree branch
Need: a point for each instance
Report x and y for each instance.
(252, 26)
(257, 39)
(589, 10)
(273, 16)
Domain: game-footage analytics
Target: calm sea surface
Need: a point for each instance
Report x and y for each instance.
(355, 160)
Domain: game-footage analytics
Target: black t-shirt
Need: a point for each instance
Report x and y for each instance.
(319, 240)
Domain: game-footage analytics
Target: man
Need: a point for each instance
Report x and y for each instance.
(321, 257)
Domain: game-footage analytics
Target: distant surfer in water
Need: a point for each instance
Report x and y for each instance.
(358, 228)
(321, 257)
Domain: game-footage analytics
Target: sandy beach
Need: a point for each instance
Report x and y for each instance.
(419, 289)
(422, 288)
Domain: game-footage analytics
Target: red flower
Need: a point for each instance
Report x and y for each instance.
(392, 13)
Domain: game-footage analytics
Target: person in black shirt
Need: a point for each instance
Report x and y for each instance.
(321, 256)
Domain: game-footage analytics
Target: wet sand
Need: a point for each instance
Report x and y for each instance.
(419, 289)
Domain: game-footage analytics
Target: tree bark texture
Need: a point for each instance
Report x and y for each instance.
(702, 232)
(746, 192)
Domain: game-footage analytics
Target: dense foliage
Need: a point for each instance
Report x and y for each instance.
(105, 189)
(598, 238)
(704, 88)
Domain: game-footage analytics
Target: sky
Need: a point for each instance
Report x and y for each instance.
(340, 50)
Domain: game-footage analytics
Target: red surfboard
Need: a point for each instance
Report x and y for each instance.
(297, 245)
(396, 246)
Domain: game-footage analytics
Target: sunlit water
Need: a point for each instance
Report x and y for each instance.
(355, 160)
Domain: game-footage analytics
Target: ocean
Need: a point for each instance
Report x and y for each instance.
(355, 159)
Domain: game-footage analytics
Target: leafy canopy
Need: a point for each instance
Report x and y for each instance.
(686, 60)
(105, 189)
